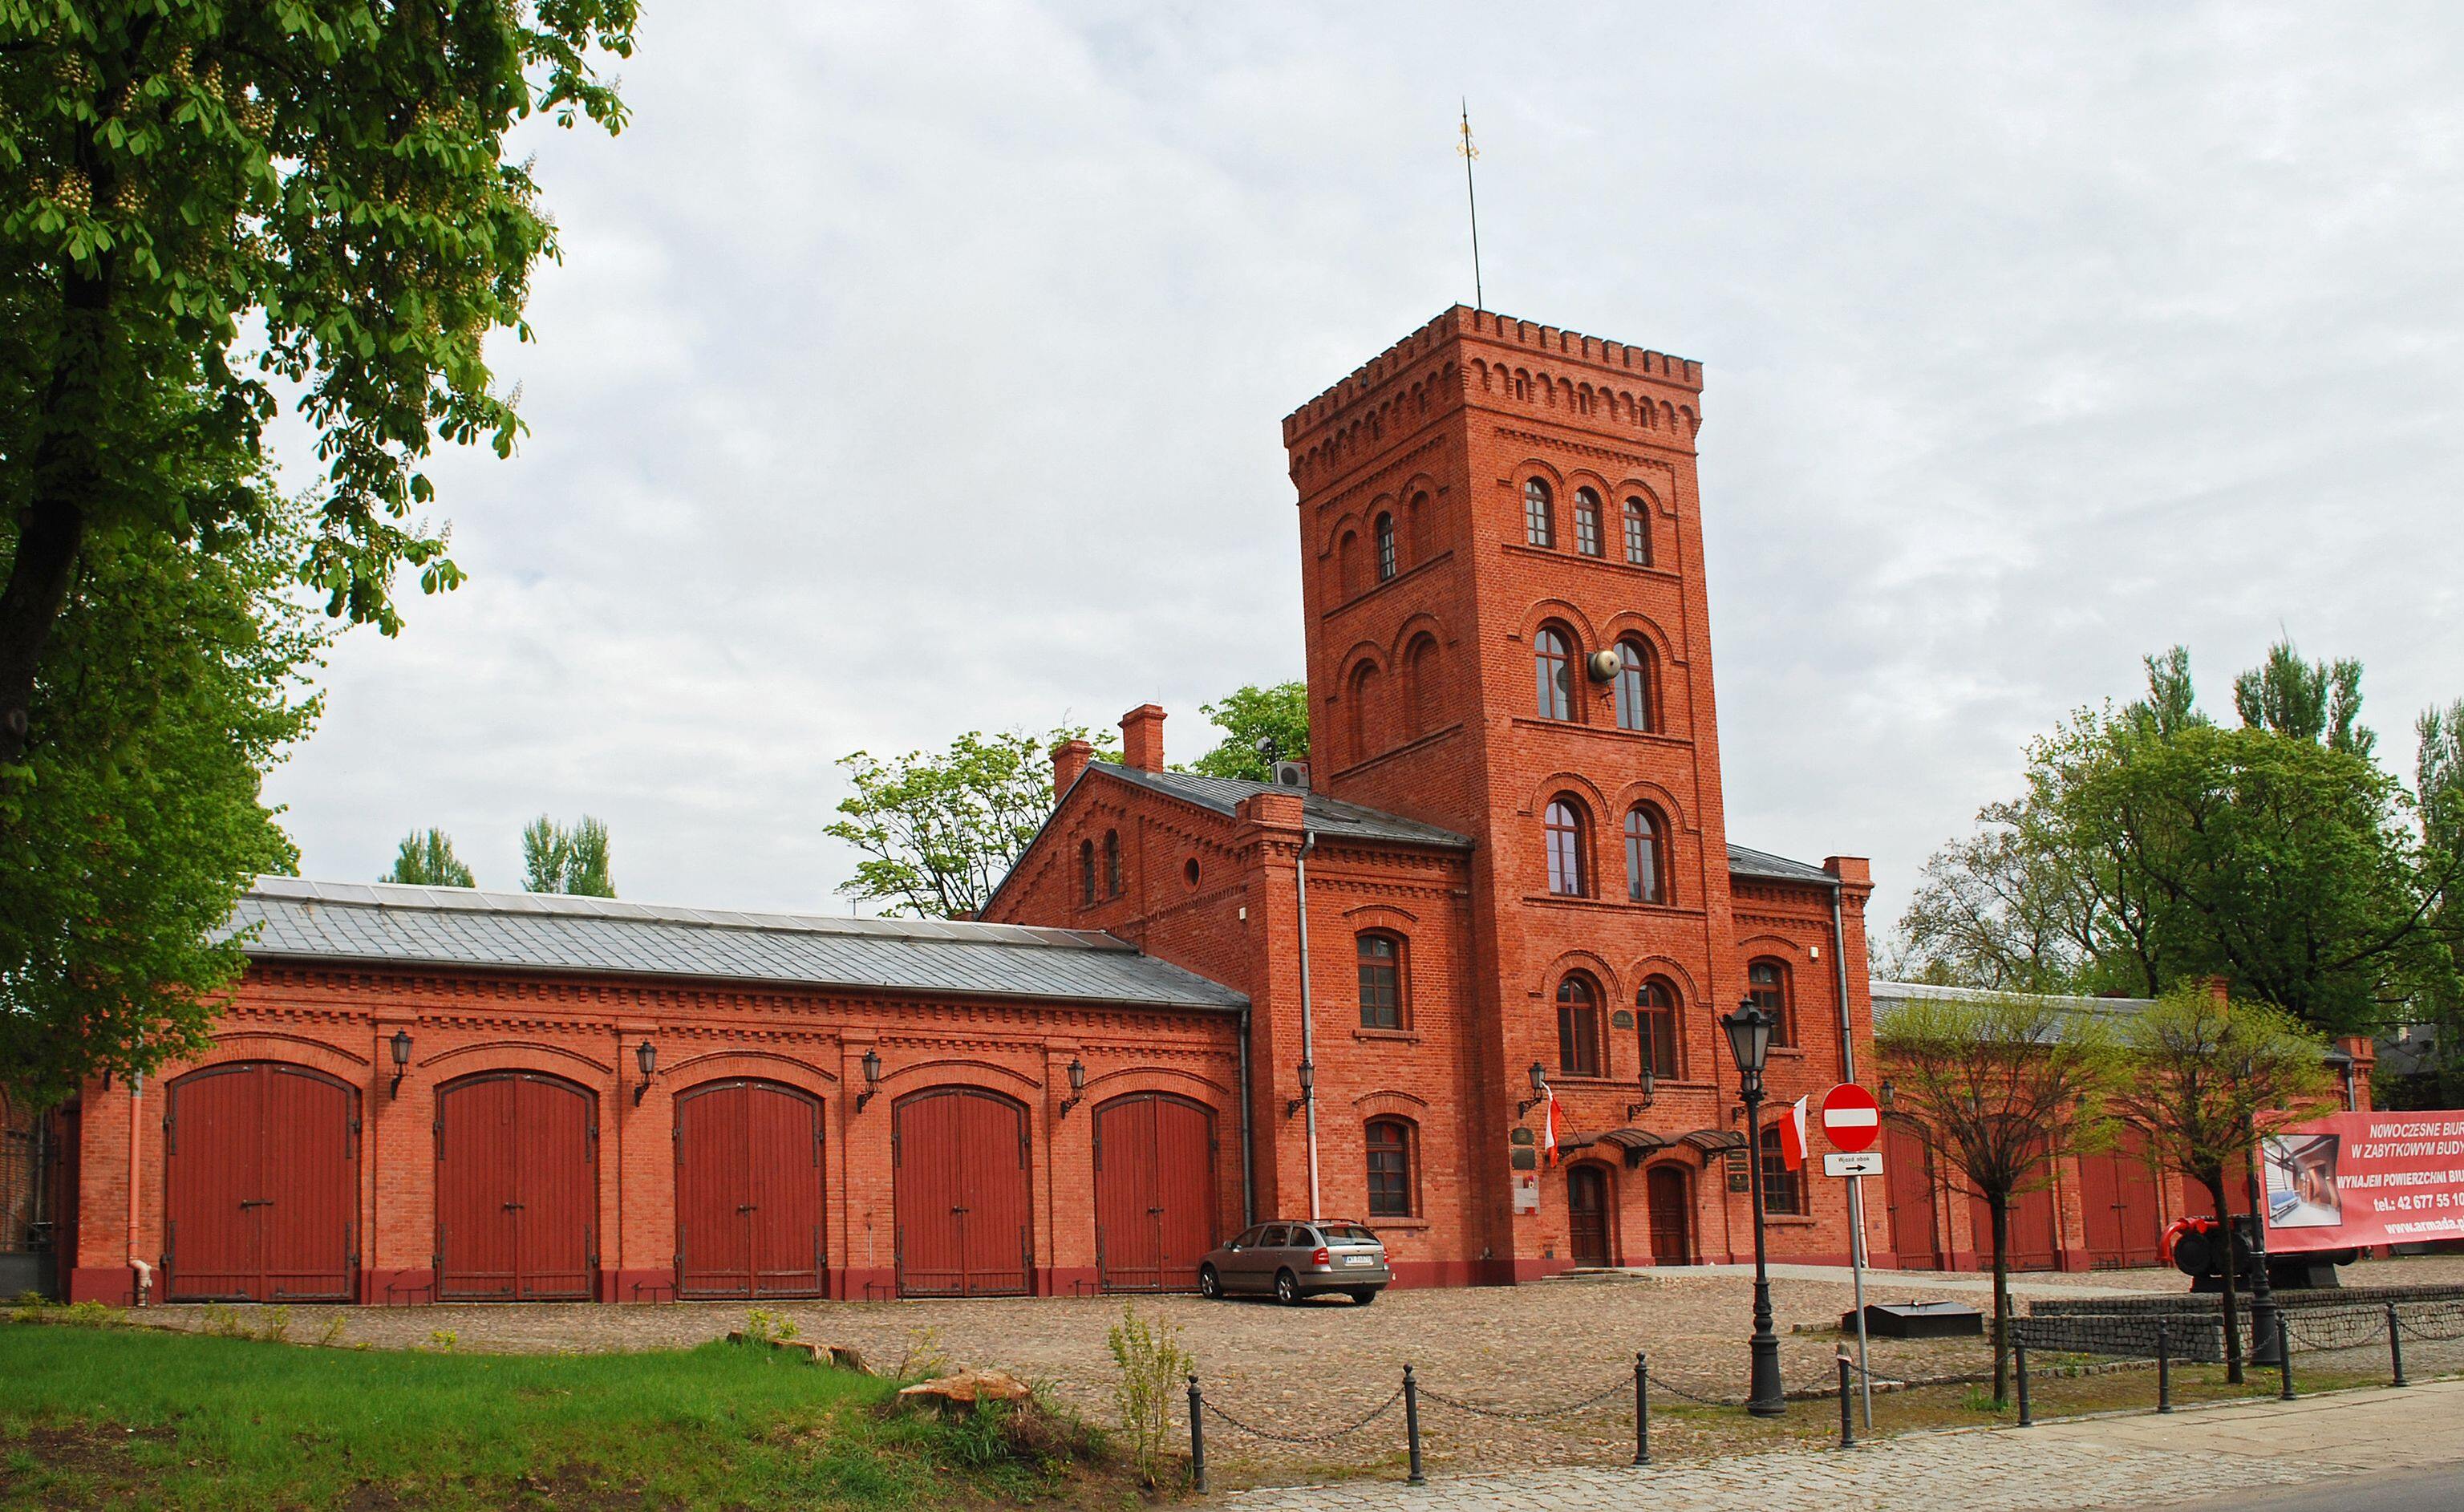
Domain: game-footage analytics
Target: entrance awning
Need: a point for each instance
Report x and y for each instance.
(1638, 1144)
(1712, 1141)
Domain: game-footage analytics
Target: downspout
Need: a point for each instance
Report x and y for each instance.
(1839, 968)
(1249, 1140)
(141, 1273)
(1309, 1061)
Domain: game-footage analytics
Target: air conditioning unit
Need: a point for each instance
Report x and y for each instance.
(1292, 774)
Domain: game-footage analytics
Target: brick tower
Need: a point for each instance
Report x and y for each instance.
(1508, 636)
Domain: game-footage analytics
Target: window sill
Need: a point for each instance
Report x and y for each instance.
(1400, 1036)
(1611, 732)
(1618, 563)
(1571, 901)
(1397, 1225)
(1391, 752)
(1377, 588)
(1790, 1220)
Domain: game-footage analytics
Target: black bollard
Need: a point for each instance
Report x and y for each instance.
(1643, 1409)
(2395, 1344)
(1847, 1423)
(1412, 1426)
(2284, 1358)
(2019, 1360)
(1197, 1439)
(2164, 1370)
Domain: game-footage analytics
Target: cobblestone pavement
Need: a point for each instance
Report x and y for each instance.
(1294, 1370)
(2133, 1462)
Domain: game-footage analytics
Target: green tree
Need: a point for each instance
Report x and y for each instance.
(427, 858)
(939, 831)
(203, 203)
(178, 673)
(1996, 1085)
(2440, 783)
(573, 861)
(1247, 715)
(2207, 1078)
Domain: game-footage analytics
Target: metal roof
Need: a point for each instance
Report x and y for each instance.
(386, 925)
(1889, 998)
(1747, 863)
(1325, 816)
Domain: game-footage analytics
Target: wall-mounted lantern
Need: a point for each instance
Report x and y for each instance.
(401, 1062)
(871, 1079)
(1309, 1083)
(645, 1055)
(1077, 1085)
(1539, 1076)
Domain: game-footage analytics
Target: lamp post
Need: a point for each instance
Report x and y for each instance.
(1750, 1036)
(2263, 1296)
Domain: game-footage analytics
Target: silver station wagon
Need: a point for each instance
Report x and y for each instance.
(1294, 1262)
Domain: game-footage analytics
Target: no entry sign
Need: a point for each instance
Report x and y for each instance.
(1851, 1119)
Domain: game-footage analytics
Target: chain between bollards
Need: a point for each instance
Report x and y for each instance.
(1197, 1439)
(1642, 1408)
(2164, 1370)
(2019, 1357)
(1412, 1425)
(1847, 1419)
(2284, 1358)
(2395, 1344)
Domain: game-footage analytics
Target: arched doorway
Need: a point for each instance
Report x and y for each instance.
(958, 1163)
(748, 1191)
(1671, 1203)
(1587, 1215)
(261, 1185)
(516, 1189)
(1154, 1192)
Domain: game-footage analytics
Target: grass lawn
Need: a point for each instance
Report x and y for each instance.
(94, 1417)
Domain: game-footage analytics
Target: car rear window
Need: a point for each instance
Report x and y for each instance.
(1349, 1234)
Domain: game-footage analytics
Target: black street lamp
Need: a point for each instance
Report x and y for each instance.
(1750, 1037)
(645, 1055)
(1308, 1086)
(401, 1062)
(1538, 1076)
(1077, 1072)
(2263, 1296)
(871, 1079)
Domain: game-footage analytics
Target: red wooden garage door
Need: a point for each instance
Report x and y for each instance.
(1907, 1185)
(1155, 1193)
(2032, 1236)
(516, 1189)
(961, 1162)
(2118, 1206)
(261, 1185)
(748, 1191)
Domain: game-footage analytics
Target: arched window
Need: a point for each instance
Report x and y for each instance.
(1646, 855)
(1347, 565)
(1578, 1028)
(1634, 709)
(1654, 1016)
(1638, 533)
(1421, 684)
(1539, 519)
(1783, 1189)
(1421, 515)
(1364, 715)
(1385, 547)
(1381, 981)
(1766, 983)
(1563, 826)
(1085, 871)
(1553, 667)
(1586, 523)
(1113, 863)
(1390, 1168)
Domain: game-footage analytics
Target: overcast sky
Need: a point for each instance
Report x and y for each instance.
(916, 369)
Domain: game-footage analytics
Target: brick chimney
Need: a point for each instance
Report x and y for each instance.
(1142, 737)
(1069, 759)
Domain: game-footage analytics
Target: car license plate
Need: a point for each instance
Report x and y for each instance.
(1360, 1259)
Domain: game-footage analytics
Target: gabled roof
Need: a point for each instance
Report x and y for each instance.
(1745, 863)
(380, 924)
(1889, 998)
(1325, 816)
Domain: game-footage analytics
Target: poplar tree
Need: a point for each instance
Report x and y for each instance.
(427, 858)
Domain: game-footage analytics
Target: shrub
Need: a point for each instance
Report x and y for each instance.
(924, 1358)
(1152, 1363)
(762, 1326)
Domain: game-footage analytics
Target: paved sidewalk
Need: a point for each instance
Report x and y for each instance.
(2111, 1462)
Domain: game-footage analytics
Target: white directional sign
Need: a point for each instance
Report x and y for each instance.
(1857, 1163)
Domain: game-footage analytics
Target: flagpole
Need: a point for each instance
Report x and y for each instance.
(1479, 296)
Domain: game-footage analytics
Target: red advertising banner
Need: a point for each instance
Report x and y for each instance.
(2353, 1179)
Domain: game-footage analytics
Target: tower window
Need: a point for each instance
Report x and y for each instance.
(1562, 827)
(1646, 855)
(1578, 1028)
(1634, 686)
(1553, 666)
(1385, 547)
(1656, 1015)
(1638, 533)
(1586, 523)
(1113, 863)
(1381, 982)
(1539, 516)
(1767, 984)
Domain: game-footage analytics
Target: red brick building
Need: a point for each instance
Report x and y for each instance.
(1194, 1003)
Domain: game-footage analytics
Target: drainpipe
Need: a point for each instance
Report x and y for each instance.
(142, 1275)
(1249, 1140)
(1309, 1060)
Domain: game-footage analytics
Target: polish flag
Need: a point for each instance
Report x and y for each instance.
(1548, 1128)
(1792, 1136)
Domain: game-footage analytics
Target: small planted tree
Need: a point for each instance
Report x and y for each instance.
(2206, 1079)
(1153, 1364)
(1995, 1085)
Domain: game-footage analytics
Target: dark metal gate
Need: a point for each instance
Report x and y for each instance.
(517, 1190)
(1156, 1198)
(961, 1178)
(261, 1185)
(748, 1191)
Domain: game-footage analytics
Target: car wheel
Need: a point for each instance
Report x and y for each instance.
(1287, 1288)
(1209, 1285)
(1364, 1295)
